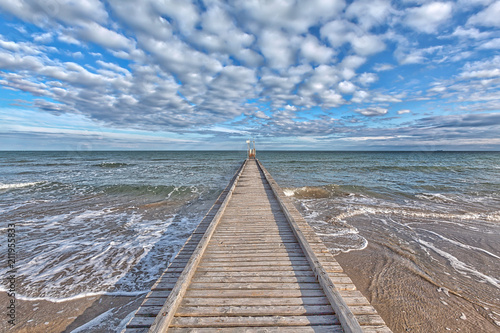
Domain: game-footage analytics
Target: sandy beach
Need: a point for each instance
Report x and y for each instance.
(78, 315)
(412, 298)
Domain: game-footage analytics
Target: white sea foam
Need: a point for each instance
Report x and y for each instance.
(17, 185)
(102, 318)
(437, 197)
(368, 210)
(460, 266)
(78, 296)
(465, 246)
(95, 252)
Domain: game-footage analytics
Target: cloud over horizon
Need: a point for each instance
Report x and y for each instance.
(224, 70)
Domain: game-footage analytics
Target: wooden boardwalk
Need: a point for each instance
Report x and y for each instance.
(254, 265)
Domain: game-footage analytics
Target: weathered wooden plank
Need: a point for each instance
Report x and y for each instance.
(369, 320)
(153, 302)
(254, 285)
(362, 309)
(253, 241)
(254, 321)
(253, 279)
(254, 293)
(255, 273)
(277, 310)
(267, 301)
(244, 247)
(263, 262)
(288, 329)
(136, 330)
(140, 322)
(277, 250)
(232, 256)
(269, 267)
(376, 329)
(355, 301)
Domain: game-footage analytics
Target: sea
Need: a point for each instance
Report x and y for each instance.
(109, 222)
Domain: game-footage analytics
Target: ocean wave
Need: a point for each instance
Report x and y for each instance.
(164, 191)
(408, 212)
(18, 185)
(77, 296)
(329, 191)
(111, 165)
(436, 197)
(307, 192)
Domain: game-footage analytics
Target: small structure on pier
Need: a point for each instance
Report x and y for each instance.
(251, 151)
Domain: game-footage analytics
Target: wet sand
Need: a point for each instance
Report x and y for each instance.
(407, 295)
(49, 317)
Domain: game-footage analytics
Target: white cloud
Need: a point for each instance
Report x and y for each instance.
(347, 87)
(407, 56)
(481, 69)
(43, 38)
(429, 16)
(261, 115)
(313, 51)
(339, 32)
(277, 49)
(382, 67)
(295, 17)
(369, 13)
(146, 18)
(472, 33)
(367, 44)
(489, 17)
(367, 78)
(98, 34)
(491, 44)
(360, 96)
(183, 13)
(404, 111)
(382, 98)
(41, 12)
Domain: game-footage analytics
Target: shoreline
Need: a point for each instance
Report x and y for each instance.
(42, 316)
(385, 280)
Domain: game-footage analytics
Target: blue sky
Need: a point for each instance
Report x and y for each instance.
(209, 74)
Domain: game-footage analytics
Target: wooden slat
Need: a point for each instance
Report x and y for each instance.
(267, 273)
(267, 301)
(277, 310)
(255, 293)
(288, 329)
(254, 285)
(253, 321)
(255, 279)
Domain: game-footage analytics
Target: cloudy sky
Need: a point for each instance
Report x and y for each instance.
(208, 74)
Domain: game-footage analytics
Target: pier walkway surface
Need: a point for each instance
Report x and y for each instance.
(254, 265)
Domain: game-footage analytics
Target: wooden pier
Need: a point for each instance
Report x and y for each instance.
(254, 265)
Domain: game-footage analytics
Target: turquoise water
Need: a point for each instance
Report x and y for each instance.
(107, 222)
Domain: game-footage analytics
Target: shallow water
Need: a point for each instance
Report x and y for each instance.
(108, 222)
(431, 221)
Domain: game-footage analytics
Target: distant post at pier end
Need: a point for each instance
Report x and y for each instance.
(251, 151)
